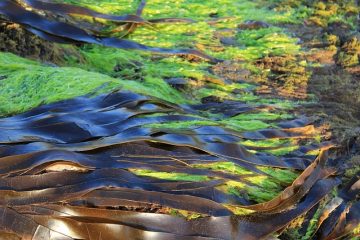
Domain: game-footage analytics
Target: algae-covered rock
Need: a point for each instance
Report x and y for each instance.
(285, 73)
(348, 55)
(17, 40)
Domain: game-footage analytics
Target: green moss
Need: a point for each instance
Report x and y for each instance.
(238, 210)
(282, 175)
(260, 195)
(224, 166)
(185, 214)
(357, 231)
(280, 146)
(347, 60)
(265, 41)
(183, 124)
(266, 190)
(243, 125)
(263, 116)
(283, 151)
(321, 12)
(29, 84)
(268, 143)
(312, 225)
(206, 92)
(169, 176)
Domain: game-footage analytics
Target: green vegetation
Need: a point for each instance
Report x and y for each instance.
(264, 189)
(262, 59)
(169, 176)
(29, 84)
(224, 166)
(108, 69)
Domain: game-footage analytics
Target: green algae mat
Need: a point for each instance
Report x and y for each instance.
(168, 120)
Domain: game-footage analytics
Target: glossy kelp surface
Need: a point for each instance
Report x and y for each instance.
(235, 164)
(70, 166)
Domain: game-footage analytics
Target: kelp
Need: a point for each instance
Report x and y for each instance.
(67, 171)
(61, 32)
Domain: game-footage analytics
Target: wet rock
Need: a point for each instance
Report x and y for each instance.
(340, 29)
(308, 34)
(211, 99)
(228, 41)
(239, 91)
(252, 25)
(214, 15)
(15, 39)
(177, 83)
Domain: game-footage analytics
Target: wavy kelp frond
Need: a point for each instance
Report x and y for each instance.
(52, 177)
(194, 151)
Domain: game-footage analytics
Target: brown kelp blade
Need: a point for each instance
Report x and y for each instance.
(76, 163)
(79, 220)
(344, 216)
(64, 32)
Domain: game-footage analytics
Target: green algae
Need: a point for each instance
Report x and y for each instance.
(244, 125)
(237, 125)
(104, 69)
(228, 167)
(322, 12)
(238, 210)
(283, 151)
(267, 41)
(265, 116)
(169, 176)
(268, 143)
(276, 147)
(282, 175)
(185, 214)
(265, 188)
(182, 124)
(139, 70)
(265, 191)
(29, 84)
(312, 224)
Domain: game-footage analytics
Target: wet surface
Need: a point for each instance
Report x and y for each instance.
(121, 163)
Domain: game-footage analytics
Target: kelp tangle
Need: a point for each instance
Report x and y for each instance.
(113, 166)
(67, 172)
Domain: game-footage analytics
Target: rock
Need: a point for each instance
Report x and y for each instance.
(214, 15)
(229, 41)
(211, 99)
(15, 39)
(177, 83)
(340, 29)
(252, 25)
